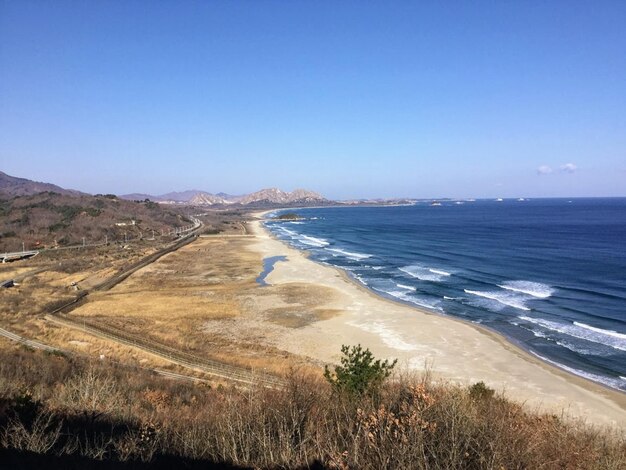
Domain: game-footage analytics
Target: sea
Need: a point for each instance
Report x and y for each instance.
(548, 274)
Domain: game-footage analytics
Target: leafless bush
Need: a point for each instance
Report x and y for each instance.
(92, 392)
(412, 423)
(38, 437)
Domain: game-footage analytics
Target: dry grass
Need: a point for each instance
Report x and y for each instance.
(64, 406)
(203, 299)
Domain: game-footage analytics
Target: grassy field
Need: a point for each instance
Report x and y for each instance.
(203, 299)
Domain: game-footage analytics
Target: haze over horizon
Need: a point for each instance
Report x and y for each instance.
(348, 99)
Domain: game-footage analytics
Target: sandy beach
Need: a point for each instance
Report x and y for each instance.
(451, 349)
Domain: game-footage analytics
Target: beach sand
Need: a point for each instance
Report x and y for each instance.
(451, 349)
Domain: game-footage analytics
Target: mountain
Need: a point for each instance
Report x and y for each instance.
(263, 197)
(182, 196)
(276, 196)
(137, 197)
(14, 186)
(207, 199)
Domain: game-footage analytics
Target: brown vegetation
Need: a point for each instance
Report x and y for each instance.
(51, 219)
(65, 407)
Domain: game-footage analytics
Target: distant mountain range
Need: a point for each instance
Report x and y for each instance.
(13, 186)
(262, 197)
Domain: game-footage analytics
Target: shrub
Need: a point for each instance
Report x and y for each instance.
(479, 392)
(359, 373)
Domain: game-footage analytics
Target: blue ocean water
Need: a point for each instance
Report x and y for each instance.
(550, 274)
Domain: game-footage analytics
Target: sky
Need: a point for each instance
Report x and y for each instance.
(351, 99)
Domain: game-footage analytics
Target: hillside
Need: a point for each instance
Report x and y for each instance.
(66, 412)
(14, 186)
(52, 219)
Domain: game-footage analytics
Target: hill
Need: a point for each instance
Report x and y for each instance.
(14, 186)
(53, 219)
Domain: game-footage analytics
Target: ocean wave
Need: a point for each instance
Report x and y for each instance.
(595, 335)
(349, 254)
(611, 333)
(424, 273)
(391, 338)
(312, 241)
(535, 289)
(504, 298)
(287, 231)
(404, 296)
(577, 349)
(402, 286)
(440, 272)
(566, 344)
(617, 383)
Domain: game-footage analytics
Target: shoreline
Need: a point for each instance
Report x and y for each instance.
(546, 386)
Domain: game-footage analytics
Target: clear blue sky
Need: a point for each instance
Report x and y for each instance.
(352, 99)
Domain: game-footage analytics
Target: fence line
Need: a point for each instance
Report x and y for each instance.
(231, 372)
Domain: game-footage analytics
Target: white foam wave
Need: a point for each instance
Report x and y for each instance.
(440, 272)
(390, 337)
(611, 333)
(349, 254)
(579, 350)
(312, 241)
(503, 298)
(580, 332)
(566, 344)
(287, 231)
(608, 381)
(535, 289)
(402, 286)
(404, 296)
(424, 273)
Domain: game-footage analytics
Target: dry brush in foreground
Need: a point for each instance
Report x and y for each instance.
(69, 413)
